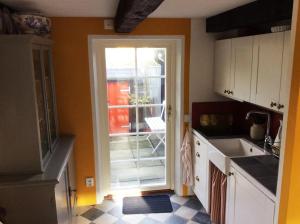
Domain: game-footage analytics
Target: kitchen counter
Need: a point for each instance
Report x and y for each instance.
(209, 135)
(263, 168)
(262, 171)
(232, 134)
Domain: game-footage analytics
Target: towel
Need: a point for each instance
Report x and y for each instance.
(187, 161)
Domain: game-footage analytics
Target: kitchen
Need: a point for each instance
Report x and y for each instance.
(232, 93)
(251, 70)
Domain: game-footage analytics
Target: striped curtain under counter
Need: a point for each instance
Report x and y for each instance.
(217, 195)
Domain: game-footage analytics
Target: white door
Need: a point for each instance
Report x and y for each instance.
(242, 49)
(222, 73)
(136, 77)
(270, 52)
(246, 204)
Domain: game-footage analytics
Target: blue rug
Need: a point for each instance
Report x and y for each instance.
(147, 204)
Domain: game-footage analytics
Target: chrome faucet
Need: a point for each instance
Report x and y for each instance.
(268, 139)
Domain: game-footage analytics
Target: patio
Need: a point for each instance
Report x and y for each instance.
(129, 171)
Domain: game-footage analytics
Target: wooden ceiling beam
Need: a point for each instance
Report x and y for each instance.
(251, 15)
(132, 12)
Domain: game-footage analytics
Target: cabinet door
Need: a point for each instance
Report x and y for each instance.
(285, 76)
(201, 171)
(41, 102)
(270, 51)
(62, 199)
(246, 204)
(242, 49)
(50, 94)
(222, 76)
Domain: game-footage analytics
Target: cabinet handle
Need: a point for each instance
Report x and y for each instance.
(197, 142)
(225, 91)
(197, 178)
(230, 92)
(230, 174)
(197, 154)
(280, 106)
(273, 104)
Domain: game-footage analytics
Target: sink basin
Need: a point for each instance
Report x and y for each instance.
(222, 150)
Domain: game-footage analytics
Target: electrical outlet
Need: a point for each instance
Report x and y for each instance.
(89, 182)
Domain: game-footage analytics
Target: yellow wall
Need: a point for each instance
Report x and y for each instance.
(71, 67)
(290, 195)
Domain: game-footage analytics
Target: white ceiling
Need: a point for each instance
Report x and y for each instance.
(107, 8)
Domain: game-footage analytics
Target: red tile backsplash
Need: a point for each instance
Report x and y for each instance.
(238, 111)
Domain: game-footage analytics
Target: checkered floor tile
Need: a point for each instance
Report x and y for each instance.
(186, 210)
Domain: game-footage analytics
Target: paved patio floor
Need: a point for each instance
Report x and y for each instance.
(133, 162)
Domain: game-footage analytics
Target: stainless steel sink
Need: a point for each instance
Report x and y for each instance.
(222, 150)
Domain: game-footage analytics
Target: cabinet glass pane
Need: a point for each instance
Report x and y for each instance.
(50, 95)
(40, 102)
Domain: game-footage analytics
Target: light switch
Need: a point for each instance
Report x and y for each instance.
(187, 118)
(108, 24)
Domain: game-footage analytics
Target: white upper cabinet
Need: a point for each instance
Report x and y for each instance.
(233, 64)
(222, 79)
(269, 69)
(286, 76)
(254, 69)
(246, 204)
(242, 51)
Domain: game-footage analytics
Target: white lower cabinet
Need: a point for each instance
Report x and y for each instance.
(201, 188)
(246, 204)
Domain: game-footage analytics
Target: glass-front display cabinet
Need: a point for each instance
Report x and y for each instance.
(28, 132)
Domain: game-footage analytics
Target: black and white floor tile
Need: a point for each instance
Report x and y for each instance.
(186, 210)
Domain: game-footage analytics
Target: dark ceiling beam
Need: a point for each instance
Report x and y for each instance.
(131, 12)
(251, 15)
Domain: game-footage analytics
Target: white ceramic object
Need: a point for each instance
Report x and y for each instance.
(222, 150)
(257, 131)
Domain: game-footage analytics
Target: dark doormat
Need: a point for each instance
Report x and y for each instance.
(147, 204)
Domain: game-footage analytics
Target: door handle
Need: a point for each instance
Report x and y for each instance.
(169, 110)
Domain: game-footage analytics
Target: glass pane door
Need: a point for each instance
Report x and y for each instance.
(41, 105)
(49, 86)
(136, 95)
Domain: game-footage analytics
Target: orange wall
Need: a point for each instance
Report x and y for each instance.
(290, 196)
(71, 67)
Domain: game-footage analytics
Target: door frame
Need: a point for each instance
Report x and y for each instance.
(176, 44)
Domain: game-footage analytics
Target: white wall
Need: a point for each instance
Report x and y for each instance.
(201, 64)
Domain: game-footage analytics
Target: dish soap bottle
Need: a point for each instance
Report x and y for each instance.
(277, 142)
